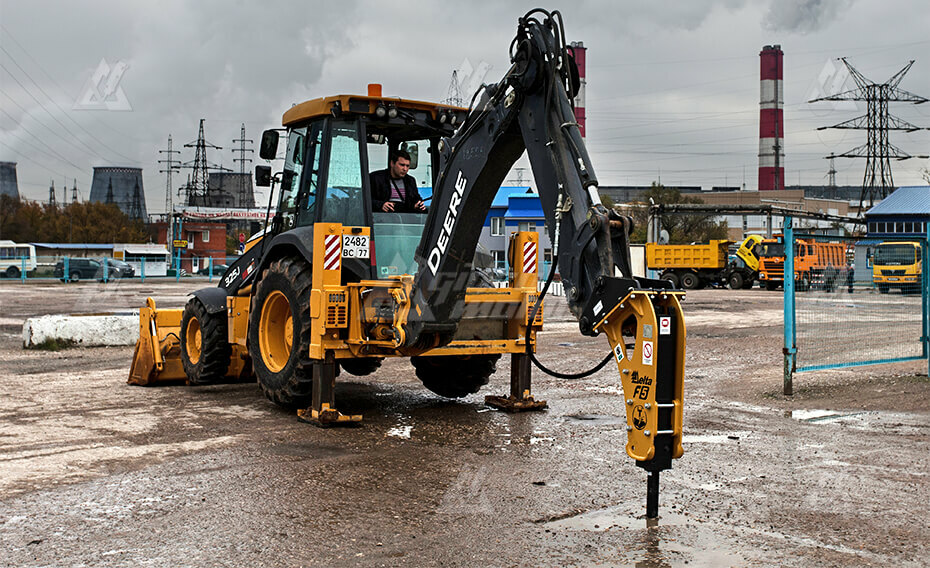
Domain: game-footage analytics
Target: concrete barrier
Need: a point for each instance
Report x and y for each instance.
(86, 331)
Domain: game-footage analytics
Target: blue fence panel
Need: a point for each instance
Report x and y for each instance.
(841, 314)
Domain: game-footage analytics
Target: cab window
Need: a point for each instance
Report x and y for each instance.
(344, 199)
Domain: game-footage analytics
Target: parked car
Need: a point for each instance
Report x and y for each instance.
(90, 268)
(123, 269)
(218, 269)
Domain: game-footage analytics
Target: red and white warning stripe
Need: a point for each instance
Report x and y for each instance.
(333, 252)
(529, 257)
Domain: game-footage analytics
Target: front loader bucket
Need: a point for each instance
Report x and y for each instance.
(157, 358)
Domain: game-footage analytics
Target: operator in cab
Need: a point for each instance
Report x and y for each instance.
(393, 190)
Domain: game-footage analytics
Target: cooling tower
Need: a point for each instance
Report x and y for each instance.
(122, 186)
(8, 183)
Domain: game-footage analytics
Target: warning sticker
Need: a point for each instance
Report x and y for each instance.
(618, 353)
(647, 352)
(665, 325)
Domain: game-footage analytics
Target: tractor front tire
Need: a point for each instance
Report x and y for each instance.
(455, 376)
(279, 332)
(205, 349)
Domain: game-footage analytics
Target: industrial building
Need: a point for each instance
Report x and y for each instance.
(122, 186)
(904, 213)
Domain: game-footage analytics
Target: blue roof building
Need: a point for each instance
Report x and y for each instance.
(904, 213)
(515, 208)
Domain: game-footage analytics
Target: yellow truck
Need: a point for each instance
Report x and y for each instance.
(697, 265)
(897, 265)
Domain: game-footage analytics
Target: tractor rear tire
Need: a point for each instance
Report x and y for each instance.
(690, 281)
(361, 367)
(455, 376)
(279, 332)
(205, 349)
(736, 281)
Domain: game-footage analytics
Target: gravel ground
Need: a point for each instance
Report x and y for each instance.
(94, 472)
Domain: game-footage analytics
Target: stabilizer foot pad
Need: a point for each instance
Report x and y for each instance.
(328, 417)
(514, 404)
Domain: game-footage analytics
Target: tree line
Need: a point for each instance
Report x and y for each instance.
(29, 221)
(682, 229)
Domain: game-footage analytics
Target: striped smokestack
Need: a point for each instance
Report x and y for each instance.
(579, 52)
(771, 120)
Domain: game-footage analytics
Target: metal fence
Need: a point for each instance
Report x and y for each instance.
(853, 301)
(70, 269)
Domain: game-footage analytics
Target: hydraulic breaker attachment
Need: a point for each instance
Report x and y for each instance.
(646, 331)
(157, 358)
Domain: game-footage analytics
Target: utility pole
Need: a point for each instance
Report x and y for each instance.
(878, 151)
(198, 188)
(51, 195)
(831, 173)
(241, 150)
(454, 95)
(171, 166)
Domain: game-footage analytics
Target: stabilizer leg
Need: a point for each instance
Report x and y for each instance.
(322, 411)
(520, 399)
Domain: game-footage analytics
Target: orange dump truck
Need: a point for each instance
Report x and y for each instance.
(816, 264)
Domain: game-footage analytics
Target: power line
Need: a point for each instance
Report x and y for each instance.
(42, 106)
(63, 111)
(877, 122)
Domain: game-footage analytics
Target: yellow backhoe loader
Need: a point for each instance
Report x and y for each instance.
(333, 283)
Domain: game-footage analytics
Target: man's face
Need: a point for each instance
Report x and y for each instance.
(400, 167)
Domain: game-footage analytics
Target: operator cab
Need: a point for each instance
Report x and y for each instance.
(333, 145)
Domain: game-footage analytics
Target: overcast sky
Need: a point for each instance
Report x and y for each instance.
(672, 87)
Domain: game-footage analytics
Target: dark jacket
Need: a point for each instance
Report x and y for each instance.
(381, 192)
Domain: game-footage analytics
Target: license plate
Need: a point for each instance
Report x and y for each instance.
(355, 246)
(892, 279)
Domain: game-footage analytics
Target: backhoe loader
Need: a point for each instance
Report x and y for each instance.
(333, 284)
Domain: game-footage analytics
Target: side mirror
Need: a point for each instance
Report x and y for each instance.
(413, 149)
(269, 146)
(262, 176)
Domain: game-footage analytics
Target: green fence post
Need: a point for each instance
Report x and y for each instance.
(142, 269)
(790, 350)
(925, 296)
(210, 267)
(66, 270)
(22, 273)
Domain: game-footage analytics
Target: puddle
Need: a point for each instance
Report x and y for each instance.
(620, 517)
(596, 418)
(400, 432)
(822, 415)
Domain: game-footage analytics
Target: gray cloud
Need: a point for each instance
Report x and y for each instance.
(672, 87)
(804, 16)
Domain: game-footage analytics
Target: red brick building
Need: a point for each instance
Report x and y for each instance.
(204, 241)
